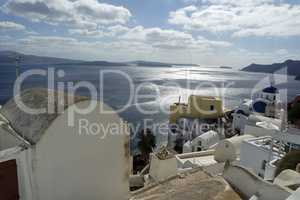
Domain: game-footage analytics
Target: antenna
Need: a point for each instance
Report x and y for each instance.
(18, 59)
(272, 80)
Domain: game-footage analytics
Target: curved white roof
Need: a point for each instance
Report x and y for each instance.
(32, 126)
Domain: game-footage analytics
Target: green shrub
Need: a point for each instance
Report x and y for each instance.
(289, 161)
(294, 113)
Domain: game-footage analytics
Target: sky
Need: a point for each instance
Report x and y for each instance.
(206, 32)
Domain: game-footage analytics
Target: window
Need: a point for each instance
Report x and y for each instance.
(263, 165)
(199, 149)
(200, 143)
(212, 107)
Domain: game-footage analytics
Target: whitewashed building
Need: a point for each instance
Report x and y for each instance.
(50, 159)
(265, 104)
(188, 129)
(229, 149)
(202, 142)
(257, 153)
(161, 169)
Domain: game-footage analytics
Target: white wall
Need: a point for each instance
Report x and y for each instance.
(190, 160)
(187, 147)
(239, 122)
(295, 195)
(249, 184)
(252, 156)
(162, 169)
(24, 170)
(258, 131)
(73, 166)
(229, 149)
(206, 140)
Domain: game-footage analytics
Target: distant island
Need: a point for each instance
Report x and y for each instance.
(292, 66)
(225, 67)
(158, 64)
(102, 63)
(9, 58)
(149, 64)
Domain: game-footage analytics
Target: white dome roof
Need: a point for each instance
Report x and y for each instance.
(32, 126)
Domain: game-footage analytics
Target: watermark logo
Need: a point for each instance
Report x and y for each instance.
(136, 93)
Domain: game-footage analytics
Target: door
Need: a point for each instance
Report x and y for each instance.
(9, 180)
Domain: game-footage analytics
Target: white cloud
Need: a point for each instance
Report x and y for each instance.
(241, 18)
(11, 26)
(80, 13)
(118, 29)
(56, 46)
(129, 44)
(237, 2)
(228, 2)
(155, 37)
(87, 33)
(282, 52)
(47, 40)
(100, 32)
(69, 47)
(170, 39)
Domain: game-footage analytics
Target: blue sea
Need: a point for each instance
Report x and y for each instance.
(165, 84)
